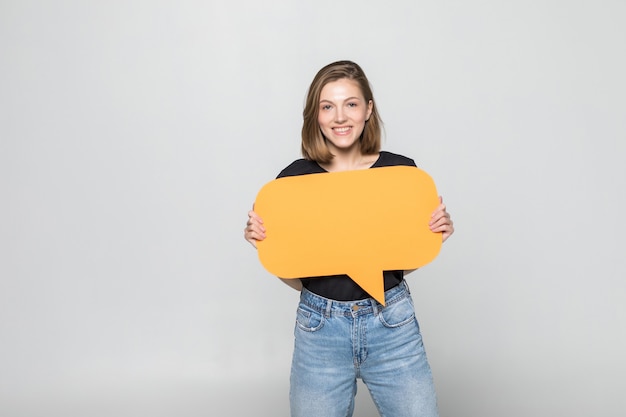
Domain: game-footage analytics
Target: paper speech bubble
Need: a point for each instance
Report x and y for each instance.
(358, 223)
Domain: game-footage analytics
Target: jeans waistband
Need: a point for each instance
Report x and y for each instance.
(329, 307)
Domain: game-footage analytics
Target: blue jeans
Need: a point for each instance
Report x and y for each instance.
(337, 342)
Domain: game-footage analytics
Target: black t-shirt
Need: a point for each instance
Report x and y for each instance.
(341, 287)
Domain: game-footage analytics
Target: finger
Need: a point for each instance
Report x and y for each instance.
(439, 228)
(437, 216)
(442, 221)
(252, 237)
(255, 220)
(442, 228)
(253, 215)
(256, 230)
(440, 208)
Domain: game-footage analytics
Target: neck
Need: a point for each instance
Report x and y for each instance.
(350, 161)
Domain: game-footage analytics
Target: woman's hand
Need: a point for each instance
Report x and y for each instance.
(440, 221)
(254, 230)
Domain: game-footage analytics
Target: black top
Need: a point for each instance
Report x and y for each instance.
(341, 287)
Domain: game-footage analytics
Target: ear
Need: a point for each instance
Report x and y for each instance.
(370, 107)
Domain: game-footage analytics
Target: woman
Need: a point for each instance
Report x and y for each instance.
(341, 332)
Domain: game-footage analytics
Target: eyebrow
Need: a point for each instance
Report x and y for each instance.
(347, 99)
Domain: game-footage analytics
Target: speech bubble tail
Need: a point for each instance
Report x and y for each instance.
(372, 282)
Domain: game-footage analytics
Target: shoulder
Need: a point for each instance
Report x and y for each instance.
(393, 159)
(300, 167)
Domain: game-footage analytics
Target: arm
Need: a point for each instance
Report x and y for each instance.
(254, 232)
(440, 222)
(296, 284)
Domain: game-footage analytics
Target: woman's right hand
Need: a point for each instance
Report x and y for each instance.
(254, 230)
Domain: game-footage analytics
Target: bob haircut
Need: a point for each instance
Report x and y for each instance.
(313, 142)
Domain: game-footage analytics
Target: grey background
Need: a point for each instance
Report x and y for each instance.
(134, 136)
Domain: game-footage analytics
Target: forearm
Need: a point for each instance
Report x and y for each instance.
(296, 284)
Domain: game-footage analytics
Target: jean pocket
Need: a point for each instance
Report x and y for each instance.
(398, 314)
(308, 319)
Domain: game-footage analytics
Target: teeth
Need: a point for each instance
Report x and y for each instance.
(341, 129)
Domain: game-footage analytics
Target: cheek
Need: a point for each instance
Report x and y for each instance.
(358, 115)
(322, 121)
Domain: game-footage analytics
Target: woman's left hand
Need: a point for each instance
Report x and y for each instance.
(440, 221)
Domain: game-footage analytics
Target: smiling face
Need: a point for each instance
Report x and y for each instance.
(343, 112)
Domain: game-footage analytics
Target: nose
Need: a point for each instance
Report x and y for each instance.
(339, 115)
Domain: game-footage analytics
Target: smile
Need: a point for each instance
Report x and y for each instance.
(341, 129)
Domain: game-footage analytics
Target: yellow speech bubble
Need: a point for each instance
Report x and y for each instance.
(358, 223)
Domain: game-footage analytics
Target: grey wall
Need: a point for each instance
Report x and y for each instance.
(134, 136)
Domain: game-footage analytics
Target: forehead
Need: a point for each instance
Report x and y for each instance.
(340, 89)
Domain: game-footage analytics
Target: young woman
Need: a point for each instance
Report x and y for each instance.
(341, 332)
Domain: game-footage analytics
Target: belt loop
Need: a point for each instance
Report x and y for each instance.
(375, 306)
(329, 305)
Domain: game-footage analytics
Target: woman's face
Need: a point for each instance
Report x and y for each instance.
(343, 112)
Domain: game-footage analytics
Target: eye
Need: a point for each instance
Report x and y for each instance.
(326, 107)
(352, 104)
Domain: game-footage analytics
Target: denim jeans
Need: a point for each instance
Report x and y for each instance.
(337, 342)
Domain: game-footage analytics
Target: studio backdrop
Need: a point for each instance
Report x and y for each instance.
(135, 135)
